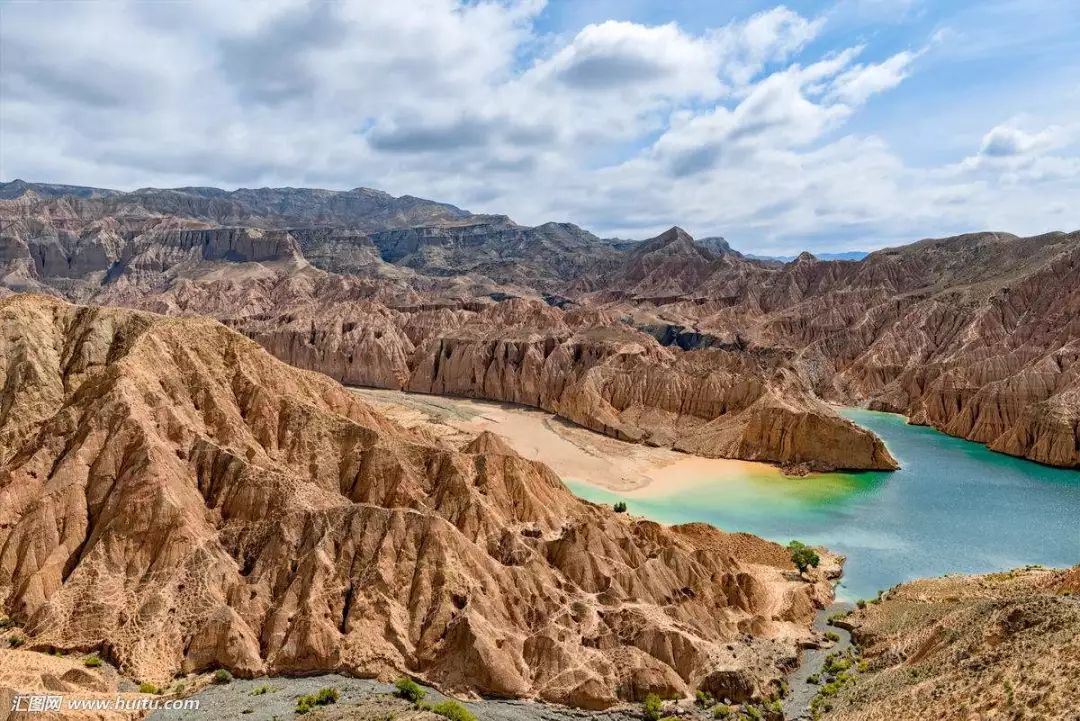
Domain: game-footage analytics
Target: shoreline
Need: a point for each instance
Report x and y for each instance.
(573, 452)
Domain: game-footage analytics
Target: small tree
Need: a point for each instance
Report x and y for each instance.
(620, 507)
(803, 556)
(653, 707)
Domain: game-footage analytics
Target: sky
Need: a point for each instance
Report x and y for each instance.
(822, 125)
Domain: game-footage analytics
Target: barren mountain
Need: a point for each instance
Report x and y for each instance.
(977, 335)
(1005, 645)
(179, 499)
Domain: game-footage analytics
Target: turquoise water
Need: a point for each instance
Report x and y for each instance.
(954, 507)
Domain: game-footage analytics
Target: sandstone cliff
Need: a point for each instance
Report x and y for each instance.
(176, 497)
(976, 335)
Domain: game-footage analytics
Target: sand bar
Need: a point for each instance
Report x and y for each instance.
(570, 450)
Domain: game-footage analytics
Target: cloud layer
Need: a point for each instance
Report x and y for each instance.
(742, 129)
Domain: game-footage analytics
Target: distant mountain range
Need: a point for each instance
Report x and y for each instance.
(374, 289)
(847, 255)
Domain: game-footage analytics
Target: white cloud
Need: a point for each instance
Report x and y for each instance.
(859, 83)
(623, 127)
(1005, 141)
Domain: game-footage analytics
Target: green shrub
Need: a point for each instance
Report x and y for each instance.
(453, 710)
(620, 507)
(836, 664)
(775, 707)
(753, 713)
(803, 556)
(261, 690)
(832, 636)
(6, 623)
(653, 707)
(324, 697)
(721, 711)
(147, 687)
(704, 699)
(327, 696)
(222, 676)
(814, 678)
(409, 690)
(92, 661)
(861, 603)
(16, 641)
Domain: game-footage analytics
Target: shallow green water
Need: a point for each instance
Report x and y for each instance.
(954, 507)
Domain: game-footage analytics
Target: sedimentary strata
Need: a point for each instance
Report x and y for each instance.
(178, 499)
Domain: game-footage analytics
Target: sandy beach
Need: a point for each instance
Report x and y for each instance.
(570, 450)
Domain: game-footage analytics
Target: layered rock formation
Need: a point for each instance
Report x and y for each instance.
(1004, 645)
(176, 497)
(580, 365)
(976, 335)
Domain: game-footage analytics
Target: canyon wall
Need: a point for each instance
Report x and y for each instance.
(173, 496)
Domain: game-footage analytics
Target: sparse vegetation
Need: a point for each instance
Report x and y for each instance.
(832, 636)
(324, 697)
(721, 711)
(262, 690)
(409, 690)
(803, 556)
(653, 707)
(222, 676)
(92, 661)
(147, 687)
(620, 507)
(453, 710)
(704, 699)
(6, 623)
(16, 641)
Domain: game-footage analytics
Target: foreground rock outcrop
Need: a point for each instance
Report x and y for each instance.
(173, 496)
(1004, 645)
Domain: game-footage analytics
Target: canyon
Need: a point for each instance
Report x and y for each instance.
(669, 341)
(178, 500)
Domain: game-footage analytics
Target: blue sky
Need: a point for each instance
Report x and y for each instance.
(839, 125)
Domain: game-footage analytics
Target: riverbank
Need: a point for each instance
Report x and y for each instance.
(573, 452)
(953, 507)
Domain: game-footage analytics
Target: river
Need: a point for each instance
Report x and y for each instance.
(953, 507)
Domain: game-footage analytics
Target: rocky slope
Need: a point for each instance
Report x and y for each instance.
(1004, 645)
(179, 499)
(581, 365)
(977, 335)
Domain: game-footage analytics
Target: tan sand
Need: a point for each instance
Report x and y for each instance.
(570, 450)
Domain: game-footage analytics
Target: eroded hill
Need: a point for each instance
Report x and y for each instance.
(179, 499)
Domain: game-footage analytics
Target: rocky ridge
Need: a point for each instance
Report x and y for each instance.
(976, 335)
(175, 497)
(1003, 645)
